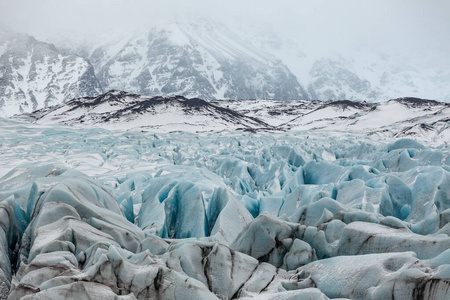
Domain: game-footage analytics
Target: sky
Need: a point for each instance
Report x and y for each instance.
(413, 27)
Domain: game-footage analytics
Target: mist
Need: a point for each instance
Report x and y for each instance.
(409, 27)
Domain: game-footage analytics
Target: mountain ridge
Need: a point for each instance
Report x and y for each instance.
(422, 119)
(122, 110)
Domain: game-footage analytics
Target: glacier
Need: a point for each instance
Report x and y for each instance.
(93, 213)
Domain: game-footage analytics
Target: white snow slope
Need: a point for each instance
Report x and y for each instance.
(35, 74)
(423, 120)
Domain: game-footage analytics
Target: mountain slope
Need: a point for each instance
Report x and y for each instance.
(121, 110)
(376, 79)
(35, 74)
(332, 80)
(365, 74)
(200, 59)
(424, 120)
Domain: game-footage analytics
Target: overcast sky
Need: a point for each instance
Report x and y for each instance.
(408, 26)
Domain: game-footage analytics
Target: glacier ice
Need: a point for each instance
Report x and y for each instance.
(133, 215)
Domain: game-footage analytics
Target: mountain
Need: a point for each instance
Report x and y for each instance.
(35, 74)
(194, 59)
(207, 60)
(377, 79)
(121, 110)
(200, 59)
(333, 80)
(421, 119)
(407, 117)
(363, 74)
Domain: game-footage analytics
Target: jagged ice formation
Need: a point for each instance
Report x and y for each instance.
(92, 213)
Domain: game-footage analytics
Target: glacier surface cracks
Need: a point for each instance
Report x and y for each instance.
(98, 214)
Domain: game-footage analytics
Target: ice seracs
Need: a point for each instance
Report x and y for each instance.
(219, 215)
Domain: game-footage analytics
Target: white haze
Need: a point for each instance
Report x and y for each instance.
(402, 26)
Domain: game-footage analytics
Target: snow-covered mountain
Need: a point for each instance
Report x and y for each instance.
(333, 80)
(378, 78)
(194, 59)
(424, 120)
(421, 119)
(35, 74)
(363, 74)
(205, 59)
(121, 110)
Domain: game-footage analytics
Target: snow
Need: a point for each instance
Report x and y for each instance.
(219, 40)
(390, 75)
(326, 113)
(41, 76)
(3, 47)
(387, 113)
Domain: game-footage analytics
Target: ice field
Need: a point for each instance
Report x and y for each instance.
(99, 214)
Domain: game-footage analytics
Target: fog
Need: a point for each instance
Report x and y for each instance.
(410, 27)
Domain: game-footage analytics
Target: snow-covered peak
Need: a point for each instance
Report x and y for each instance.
(202, 59)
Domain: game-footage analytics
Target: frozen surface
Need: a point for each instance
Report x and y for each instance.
(94, 213)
